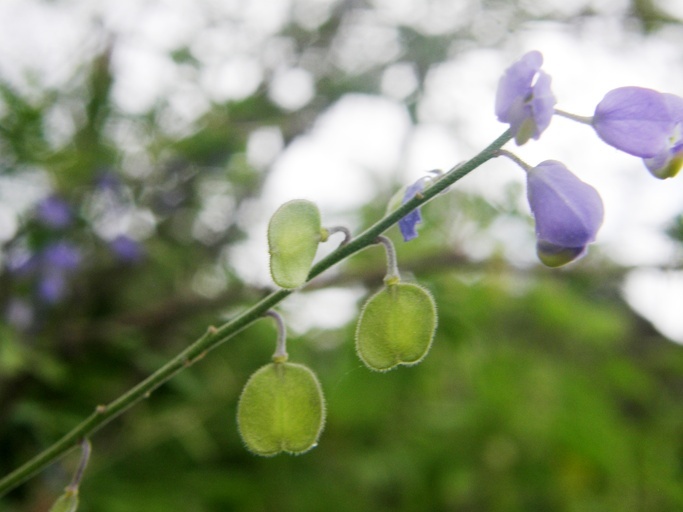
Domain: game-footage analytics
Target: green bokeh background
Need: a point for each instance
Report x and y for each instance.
(543, 390)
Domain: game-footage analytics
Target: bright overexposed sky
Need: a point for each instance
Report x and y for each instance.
(363, 141)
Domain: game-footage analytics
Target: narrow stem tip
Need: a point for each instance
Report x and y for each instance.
(392, 264)
(514, 158)
(579, 119)
(280, 355)
(341, 229)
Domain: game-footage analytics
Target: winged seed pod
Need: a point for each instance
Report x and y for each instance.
(294, 233)
(67, 502)
(281, 409)
(396, 326)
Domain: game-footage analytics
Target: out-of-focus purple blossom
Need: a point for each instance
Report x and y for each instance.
(644, 123)
(54, 212)
(52, 286)
(19, 314)
(108, 180)
(524, 98)
(126, 249)
(61, 255)
(408, 224)
(568, 212)
(21, 262)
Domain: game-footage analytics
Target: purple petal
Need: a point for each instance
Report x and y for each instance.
(542, 103)
(635, 120)
(408, 224)
(675, 105)
(516, 83)
(524, 98)
(567, 211)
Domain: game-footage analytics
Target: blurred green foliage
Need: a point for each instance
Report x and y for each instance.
(542, 391)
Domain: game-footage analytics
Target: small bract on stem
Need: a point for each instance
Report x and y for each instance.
(68, 500)
(86, 449)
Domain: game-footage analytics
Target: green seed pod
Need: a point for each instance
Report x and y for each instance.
(281, 409)
(67, 502)
(396, 326)
(294, 233)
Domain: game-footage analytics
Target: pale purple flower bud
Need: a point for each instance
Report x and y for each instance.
(524, 98)
(568, 212)
(634, 120)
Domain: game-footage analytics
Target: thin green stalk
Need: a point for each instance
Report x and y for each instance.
(574, 117)
(214, 337)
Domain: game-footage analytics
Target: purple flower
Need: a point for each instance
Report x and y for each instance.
(126, 249)
(107, 180)
(644, 123)
(408, 224)
(567, 211)
(61, 255)
(524, 98)
(52, 287)
(21, 263)
(54, 212)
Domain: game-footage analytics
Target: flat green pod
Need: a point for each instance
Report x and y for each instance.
(67, 502)
(294, 232)
(281, 409)
(396, 326)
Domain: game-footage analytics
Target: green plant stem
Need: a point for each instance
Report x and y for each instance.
(214, 337)
(574, 117)
(515, 159)
(392, 263)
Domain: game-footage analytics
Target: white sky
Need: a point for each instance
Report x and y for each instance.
(362, 142)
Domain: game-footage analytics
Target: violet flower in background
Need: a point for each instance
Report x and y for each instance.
(61, 255)
(643, 123)
(58, 260)
(126, 249)
(54, 212)
(568, 212)
(108, 180)
(52, 287)
(524, 99)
